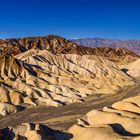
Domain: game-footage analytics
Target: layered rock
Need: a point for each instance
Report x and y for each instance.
(40, 77)
(133, 68)
(59, 45)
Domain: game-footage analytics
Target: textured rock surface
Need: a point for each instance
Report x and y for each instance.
(118, 122)
(133, 69)
(40, 77)
(59, 45)
(6, 108)
(53, 71)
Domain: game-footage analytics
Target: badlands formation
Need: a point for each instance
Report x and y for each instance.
(40, 77)
(51, 71)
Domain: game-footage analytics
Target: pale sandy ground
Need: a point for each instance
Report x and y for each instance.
(120, 121)
(134, 68)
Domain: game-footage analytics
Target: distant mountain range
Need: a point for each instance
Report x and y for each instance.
(133, 45)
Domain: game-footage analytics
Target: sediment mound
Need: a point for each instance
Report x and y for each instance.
(121, 121)
(118, 122)
(133, 69)
(54, 71)
(40, 77)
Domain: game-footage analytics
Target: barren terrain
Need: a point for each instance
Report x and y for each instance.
(53, 89)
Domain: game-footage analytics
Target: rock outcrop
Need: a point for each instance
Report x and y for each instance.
(38, 77)
(54, 71)
(133, 69)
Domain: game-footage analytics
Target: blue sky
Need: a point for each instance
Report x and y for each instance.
(118, 19)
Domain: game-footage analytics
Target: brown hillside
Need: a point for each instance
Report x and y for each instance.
(59, 45)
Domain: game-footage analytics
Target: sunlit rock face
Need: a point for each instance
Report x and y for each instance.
(54, 71)
(133, 69)
(40, 77)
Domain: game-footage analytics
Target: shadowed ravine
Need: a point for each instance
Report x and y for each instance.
(63, 117)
